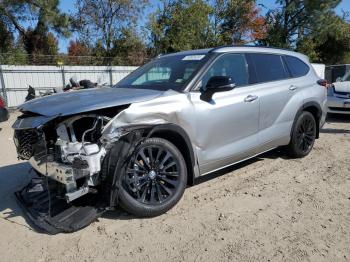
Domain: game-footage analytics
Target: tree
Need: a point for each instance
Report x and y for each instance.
(330, 41)
(129, 49)
(310, 27)
(101, 21)
(40, 42)
(6, 39)
(294, 19)
(180, 25)
(78, 52)
(78, 48)
(16, 14)
(238, 22)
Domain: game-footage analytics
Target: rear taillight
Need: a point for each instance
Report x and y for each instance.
(323, 82)
(2, 103)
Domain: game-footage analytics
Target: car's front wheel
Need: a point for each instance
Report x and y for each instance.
(154, 180)
(303, 135)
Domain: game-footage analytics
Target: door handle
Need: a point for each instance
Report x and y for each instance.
(293, 87)
(250, 98)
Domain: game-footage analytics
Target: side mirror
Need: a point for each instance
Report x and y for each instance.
(220, 84)
(339, 79)
(217, 84)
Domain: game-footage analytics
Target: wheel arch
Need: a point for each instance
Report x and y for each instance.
(315, 109)
(178, 136)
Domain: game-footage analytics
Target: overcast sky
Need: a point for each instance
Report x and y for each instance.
(68, 7)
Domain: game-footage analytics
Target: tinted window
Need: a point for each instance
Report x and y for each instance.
(232, 65)
(296, 67)
(269, 67)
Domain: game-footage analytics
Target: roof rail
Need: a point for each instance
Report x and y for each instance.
(219, 47)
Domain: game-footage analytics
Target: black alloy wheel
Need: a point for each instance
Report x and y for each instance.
(155, 178)
(152, 175)
(303, 135)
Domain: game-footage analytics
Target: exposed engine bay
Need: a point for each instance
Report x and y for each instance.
(72, 155)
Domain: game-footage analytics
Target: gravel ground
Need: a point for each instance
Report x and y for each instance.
(269, 208)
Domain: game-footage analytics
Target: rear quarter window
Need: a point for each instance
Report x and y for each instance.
(269, 67)
(296, 67)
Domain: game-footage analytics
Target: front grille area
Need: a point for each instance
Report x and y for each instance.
(25, 139)
(342, 94)
(340, 109)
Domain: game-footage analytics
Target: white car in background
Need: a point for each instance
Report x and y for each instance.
(338, 101)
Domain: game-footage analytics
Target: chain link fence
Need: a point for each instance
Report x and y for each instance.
(62, 59)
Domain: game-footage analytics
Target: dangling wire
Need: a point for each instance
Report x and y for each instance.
(87, 131)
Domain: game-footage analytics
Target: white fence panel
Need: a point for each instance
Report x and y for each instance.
(15, 80)
(18, 78)
(119, 72)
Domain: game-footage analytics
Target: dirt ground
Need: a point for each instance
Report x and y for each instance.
(267, 209)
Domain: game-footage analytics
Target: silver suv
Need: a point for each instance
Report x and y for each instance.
(174, 119)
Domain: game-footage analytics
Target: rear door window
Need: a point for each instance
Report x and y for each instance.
(269, 67)
(296, 67)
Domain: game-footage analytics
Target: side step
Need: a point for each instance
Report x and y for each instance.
(54, 215)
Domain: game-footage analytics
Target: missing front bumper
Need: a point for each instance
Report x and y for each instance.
(50, 213)
(65, 175)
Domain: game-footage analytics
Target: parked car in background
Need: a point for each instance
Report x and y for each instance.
(4, 114)
(334, 72)
(338, 101)
(180, 116)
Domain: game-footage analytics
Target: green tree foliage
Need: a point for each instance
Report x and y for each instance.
(332, 40)
(102, 21)
(311, 27)
(110, 29)
(129, 49)
(293, 19)
(6, 39)
(46, 17)
(180, 25)
(14, 56)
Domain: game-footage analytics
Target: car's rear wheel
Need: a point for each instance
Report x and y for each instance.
(303, 135)
(154, 180)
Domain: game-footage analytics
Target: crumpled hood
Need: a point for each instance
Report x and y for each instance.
(74, 102)
(343, 87)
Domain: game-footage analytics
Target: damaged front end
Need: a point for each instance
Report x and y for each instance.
(67, 154)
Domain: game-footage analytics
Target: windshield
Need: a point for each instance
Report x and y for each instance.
(169, 72)
(347, 77)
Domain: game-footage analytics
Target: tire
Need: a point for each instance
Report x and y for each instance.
(303, 135)
(159, 185)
